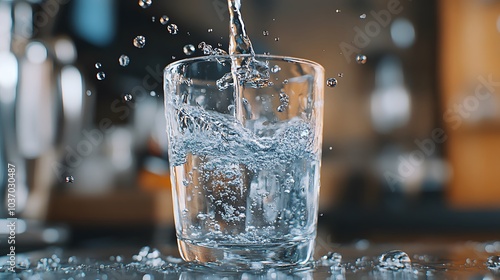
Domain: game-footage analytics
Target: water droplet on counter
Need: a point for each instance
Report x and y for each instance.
(331, 82)
(97, 65)
(164, 19)
(145, 3)
(172, 28)
(100, 76)
(188, 49)
(127, 97)
(361, 59)
(139, 41)
(362, 16)
(394, 260)
(493, 263)
(265, 33)
(124, 60)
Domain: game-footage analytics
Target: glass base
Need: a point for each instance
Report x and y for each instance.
(248, 256)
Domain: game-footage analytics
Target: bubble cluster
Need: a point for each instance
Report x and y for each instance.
(139, 41)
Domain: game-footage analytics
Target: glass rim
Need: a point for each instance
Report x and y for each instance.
(290, 59)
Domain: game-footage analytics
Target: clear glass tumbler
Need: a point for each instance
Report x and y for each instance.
(245, 166)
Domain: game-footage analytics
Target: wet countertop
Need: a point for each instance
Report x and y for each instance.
(359, 260)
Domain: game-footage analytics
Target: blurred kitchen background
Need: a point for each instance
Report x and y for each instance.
(411, 135)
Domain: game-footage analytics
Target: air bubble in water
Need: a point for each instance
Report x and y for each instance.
(265, 33)
(188, 49)
(493, 263)
(97, 65)
(164, 19)
(124, 60)
(275, 69)
(331, 82)
(145, 3)
(394, 260)
(127, 97)
(100, 76)
(69, 179)
(361, 59)
(139, 42)
(362, 16)
(172, 28)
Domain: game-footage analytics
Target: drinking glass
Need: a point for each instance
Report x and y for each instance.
(245, 160)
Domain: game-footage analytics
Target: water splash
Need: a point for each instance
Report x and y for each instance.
(164, 19)
(188, 49)
(173, 28)
(139, 42)
(69, 179)
(100, 76)
(361, 59)
(493, 263)
(331, 82)
(145, 3)
(124, 60)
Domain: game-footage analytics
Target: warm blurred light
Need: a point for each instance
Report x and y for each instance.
(65, 51)
(36, 52)
(402, 33)
(72, 91)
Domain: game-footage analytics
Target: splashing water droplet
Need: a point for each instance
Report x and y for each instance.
(493, 263)
(201, 216)
(210, 30)
(341, 75)
(172, 28)
(88, 92)
(281, 108)
(275, 69)
(188, 49)
(362, 16)
(330, 259)
(124, 60)
(152, 93)
(69, 179)
(127, 97)
(100, 76)
(338, 11)
(276, 39)
(330, 148)
(394, 260)
(265, 33)
(164, 19)
(97, 65)
(153, 19)
(139, 41)
(145, 3)
(331, 82)
(361, 59)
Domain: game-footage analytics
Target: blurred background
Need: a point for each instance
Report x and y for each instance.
(411, 130)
